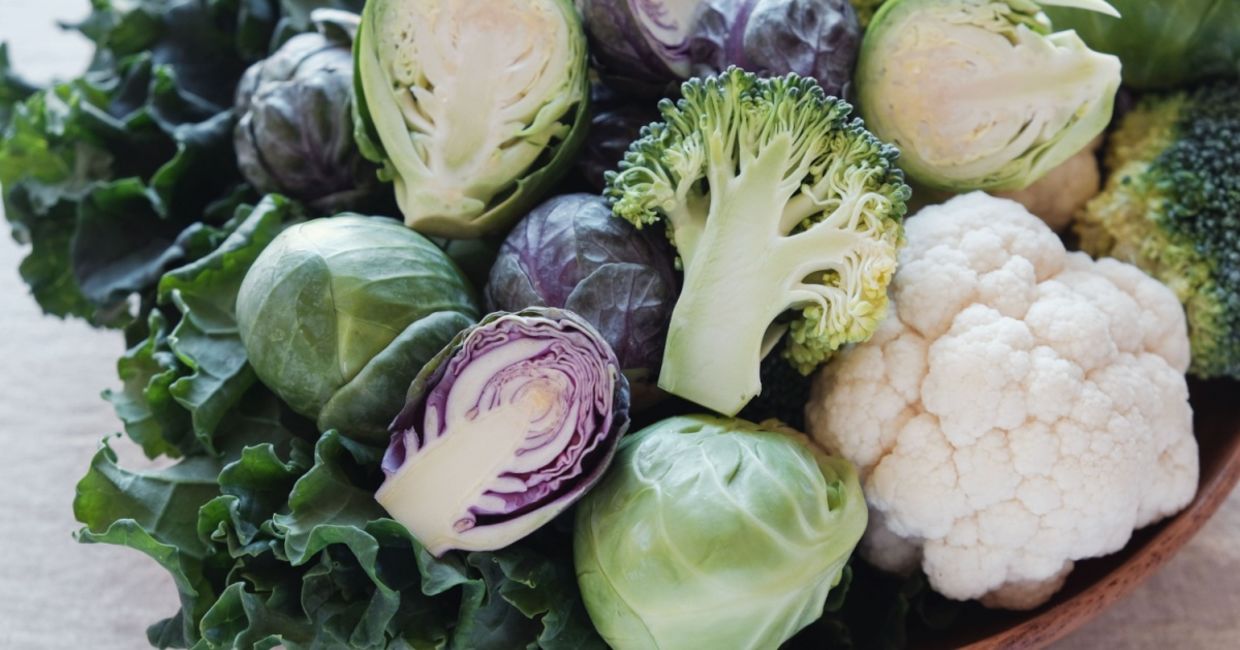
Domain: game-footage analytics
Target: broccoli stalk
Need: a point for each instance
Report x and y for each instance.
(776, 202)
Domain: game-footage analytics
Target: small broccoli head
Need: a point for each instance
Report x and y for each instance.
(782, 207)
(1172, 207)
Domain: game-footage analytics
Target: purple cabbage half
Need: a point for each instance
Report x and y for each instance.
(503, 430)
(571, 253)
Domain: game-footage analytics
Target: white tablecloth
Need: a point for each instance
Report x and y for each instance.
(55, 593)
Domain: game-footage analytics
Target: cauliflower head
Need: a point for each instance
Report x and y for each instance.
(1021, 408)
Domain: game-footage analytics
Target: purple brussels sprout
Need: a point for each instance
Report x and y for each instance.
(645, 46)
(294, 132)
(571, 253)
(614, 124)
(813, 38)
(640, 45)
(503, 430)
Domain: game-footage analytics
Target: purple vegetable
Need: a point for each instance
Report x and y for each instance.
(294, 132)
(504, 429)
(640, 44)
(614, 124)
(813, 38)
(570, 252)
(643, 46)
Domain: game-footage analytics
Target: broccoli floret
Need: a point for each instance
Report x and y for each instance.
(776, 201)
(1172, 207)
(785, 392)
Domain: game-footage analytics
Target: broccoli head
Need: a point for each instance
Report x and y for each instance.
(1172, 207)
(786, 216)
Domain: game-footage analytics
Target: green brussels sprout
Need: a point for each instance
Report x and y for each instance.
(715, 533)
(474, 109)
(338, 315)
(1163, 43)
(980, 94)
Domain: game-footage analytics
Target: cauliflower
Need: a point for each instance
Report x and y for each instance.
(1022, 407)
(1064, 190)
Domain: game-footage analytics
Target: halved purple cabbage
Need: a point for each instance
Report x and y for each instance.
(571, 253)
(504, 429)
(641, 45)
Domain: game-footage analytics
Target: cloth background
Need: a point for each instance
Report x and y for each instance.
(56, 593)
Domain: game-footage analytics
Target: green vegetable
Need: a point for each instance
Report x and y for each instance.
(339, 314)
(276, 544)
(184, 377)
(475, 109)
(119, 175)
(715, 533)
(784, 393)
(1163, 43)
(776, 202)
(1172, 207)
(865, 10)
(269, 528)
(980, 94)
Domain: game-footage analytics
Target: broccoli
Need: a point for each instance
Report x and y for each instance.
(1172, 207)
(776, 201)
(784, 394)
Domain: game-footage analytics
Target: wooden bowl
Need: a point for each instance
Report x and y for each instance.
(1096, 584)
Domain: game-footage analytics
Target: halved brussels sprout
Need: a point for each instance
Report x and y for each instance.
(474, 108)
(979, 94)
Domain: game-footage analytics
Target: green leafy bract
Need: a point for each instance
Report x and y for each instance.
(111, 176)
(1163, 44)
(270, 548)
(181, 381)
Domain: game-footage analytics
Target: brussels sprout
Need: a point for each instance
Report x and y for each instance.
(615, 123)
(714, 533)
(338, 315)
(640, 45)
(570, 252)
(475, 109)
(813, 38)
(294, 133)
(1163, 43)
(503, 430)
(979, 94)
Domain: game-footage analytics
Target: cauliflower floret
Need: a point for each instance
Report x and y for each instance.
(1021, 408)
(1058, 195)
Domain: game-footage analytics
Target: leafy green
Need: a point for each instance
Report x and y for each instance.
(1165, 44)
(267, 549)
(269, 528)
(180, 385)
(111, 176)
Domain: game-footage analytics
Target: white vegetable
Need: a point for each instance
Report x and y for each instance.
(1023, 407)
(1064, 189)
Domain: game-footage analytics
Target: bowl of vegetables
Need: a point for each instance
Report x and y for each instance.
(607, 323)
